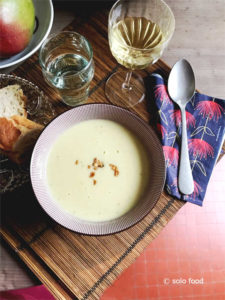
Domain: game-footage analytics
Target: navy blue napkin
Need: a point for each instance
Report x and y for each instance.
(205, 129)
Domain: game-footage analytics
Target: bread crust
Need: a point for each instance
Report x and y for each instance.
(17, 133)
(22, 123)
(17, 137)
(9, 134)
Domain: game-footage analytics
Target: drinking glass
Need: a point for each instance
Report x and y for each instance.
(67, 65)
(138, 32)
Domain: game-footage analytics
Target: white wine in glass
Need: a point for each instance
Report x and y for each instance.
(138, 33)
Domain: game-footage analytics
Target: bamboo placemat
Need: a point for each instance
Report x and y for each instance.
(72, 265)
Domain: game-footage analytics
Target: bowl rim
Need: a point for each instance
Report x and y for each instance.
(127, 226)
(21, 59)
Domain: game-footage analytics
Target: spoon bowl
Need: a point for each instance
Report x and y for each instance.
(181, 88)
(181, 83)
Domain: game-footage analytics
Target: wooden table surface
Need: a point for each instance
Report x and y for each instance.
(199, 37)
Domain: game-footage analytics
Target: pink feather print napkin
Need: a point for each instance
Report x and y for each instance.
(205, 128)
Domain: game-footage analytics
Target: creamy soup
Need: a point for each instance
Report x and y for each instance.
(97, 170)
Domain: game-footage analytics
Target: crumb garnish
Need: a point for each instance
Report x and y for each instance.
(95, 165)
(115, 169)
(100, 164)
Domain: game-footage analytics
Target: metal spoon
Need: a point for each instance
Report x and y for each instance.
(181, 88)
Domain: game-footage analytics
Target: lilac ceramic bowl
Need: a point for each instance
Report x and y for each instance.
(87, 112)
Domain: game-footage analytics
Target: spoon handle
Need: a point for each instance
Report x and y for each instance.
(185, 179)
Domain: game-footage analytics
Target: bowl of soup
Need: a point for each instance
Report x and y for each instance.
(97, 169)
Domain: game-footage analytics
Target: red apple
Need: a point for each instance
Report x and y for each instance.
(16, 25)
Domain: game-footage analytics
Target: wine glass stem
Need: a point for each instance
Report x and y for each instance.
(126, 85)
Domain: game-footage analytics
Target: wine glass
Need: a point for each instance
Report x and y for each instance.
(138, 32)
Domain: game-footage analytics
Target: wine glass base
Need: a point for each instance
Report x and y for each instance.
(127, 97)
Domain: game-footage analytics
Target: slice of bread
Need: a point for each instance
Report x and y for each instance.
(17, 133)
(18, 136)
(12, 101)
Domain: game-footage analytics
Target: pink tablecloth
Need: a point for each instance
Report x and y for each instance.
(32, 293)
